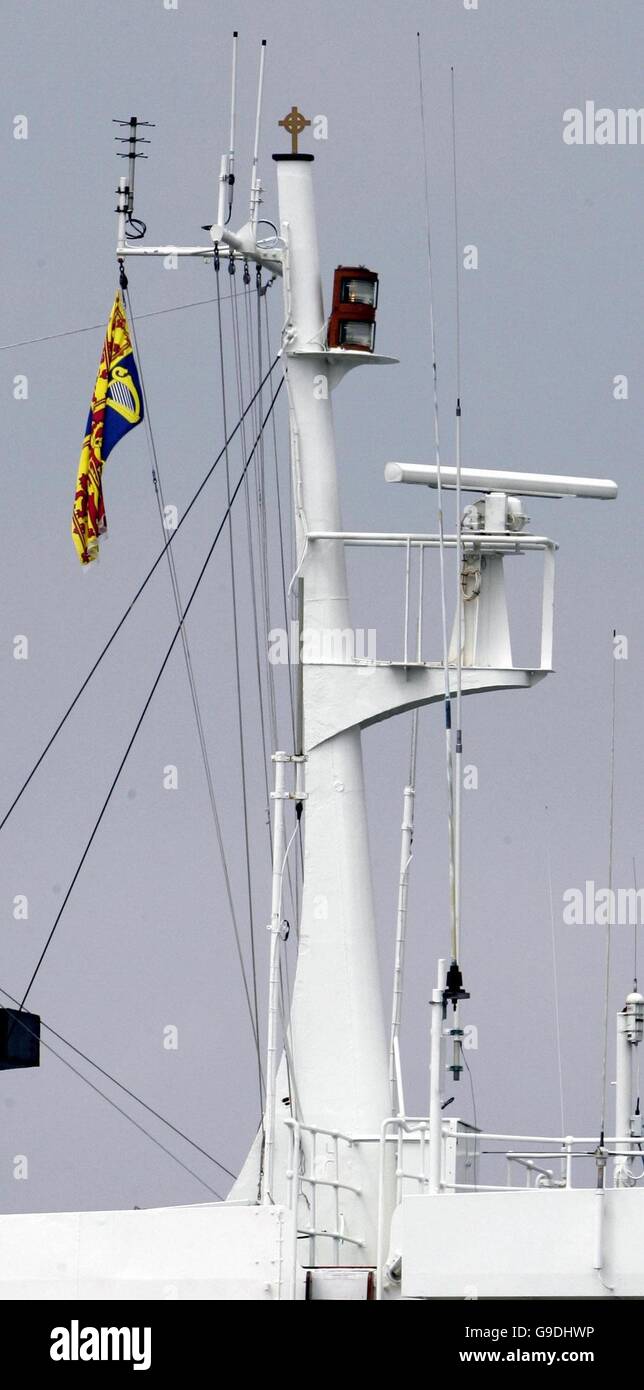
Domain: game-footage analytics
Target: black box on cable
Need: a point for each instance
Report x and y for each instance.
(19, 1039)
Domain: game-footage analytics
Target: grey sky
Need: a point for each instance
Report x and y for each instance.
(553, 313)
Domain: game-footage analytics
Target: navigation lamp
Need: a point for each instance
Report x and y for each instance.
(352, 324)
(19, 1039)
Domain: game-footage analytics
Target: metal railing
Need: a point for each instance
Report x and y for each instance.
(524, 1151)
(409, 1136)
(473, 544)
(304, 1182)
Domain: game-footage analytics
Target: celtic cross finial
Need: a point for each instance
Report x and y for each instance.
(294, 124)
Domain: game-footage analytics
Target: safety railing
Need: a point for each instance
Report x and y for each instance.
(527, 1153)
(414, 545)
(303, 1182)
(312, 1171)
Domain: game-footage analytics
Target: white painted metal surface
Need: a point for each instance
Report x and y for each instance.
(526, 1244)
(345, 696)
(500, 480)
(436, 1076)
(338, 1034)
(630, 1029)
(207, 1252)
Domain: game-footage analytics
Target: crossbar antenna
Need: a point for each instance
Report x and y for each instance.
(255, 182)
(132, 139)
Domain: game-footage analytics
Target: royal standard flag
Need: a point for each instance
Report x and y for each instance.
(117, 406)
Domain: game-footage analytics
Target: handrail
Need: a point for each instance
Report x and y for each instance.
(395, 1129)
(485, 540)
(471, 543)
(563, 1147)
(295, 1181)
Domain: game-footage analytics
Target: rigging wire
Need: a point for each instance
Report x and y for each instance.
(240, 721)
(254, 360)
(122, 1087)
(261, 504)
(145, 709)
(93, 327)
(280, 525)
(251, 562)
(441, 538)
(65, 1060)
(127, 612)
(260, 508)
(255, 370)
(294, 888)
(158, 490)
(607, 959)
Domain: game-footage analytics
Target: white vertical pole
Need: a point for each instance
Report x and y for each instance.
(233, 106)
(436, 1081)
(459, 562)
(623, 1095)
(458, 747)
(279, 796)
(407, 565)
(407, 831)
(569, 1153)
(254, 182)
(227, 166)
(223, 184)
(406, 855)
(630, 1029)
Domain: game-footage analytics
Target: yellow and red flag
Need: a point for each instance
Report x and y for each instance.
(117, 406)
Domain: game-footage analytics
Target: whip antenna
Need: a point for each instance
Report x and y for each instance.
(437, 454)
(635, 928)
(255, 183)
(227, 166)
(458, 754)
(231, 143)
